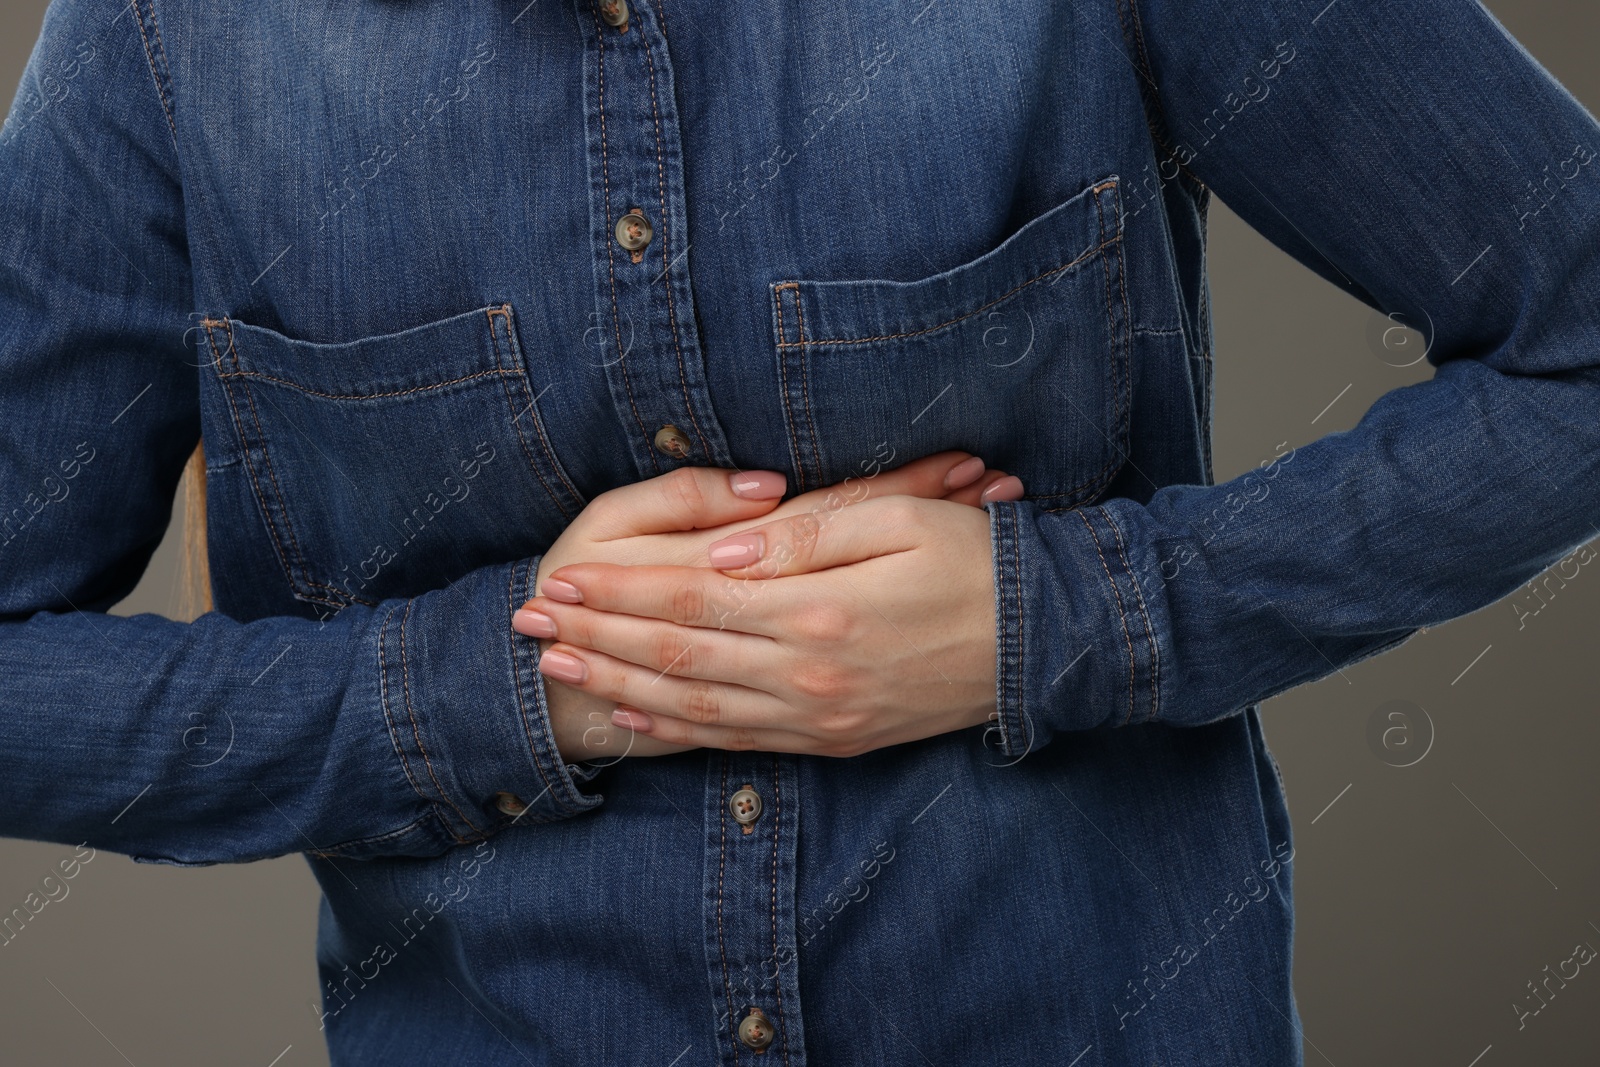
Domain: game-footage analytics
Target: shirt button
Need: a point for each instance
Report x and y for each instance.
(509, 803)
(615, 12)
(746, 807)
(672, 441)
(755, 1031)
(634, 232)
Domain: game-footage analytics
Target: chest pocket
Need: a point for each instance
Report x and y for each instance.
(1020, 356)
(392, 464)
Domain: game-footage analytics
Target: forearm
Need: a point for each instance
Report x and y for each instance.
(382, 731)
(1448, 495)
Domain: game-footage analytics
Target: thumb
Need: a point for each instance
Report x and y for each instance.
(689, 498)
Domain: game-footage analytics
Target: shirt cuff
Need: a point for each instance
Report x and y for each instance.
(1076, 646)
(466, 708)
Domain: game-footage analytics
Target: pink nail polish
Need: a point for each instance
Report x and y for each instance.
(532, 623)
(1007, 488)
(633, 719)
(563, 668)
(565, 592)
(964, 474)
(740, 550)
(758, 485)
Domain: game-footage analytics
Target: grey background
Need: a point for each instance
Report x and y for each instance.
(1427, 896)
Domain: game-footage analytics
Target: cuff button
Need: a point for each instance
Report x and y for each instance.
(509, 803)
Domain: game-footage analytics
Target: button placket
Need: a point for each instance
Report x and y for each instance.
(751, 821)
(656, 372)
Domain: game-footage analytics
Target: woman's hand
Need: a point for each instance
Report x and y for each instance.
(673, 520)
(830, 633)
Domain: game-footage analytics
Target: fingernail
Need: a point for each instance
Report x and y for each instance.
(1007, 488)
(532, 623)
(964, 473)
(633, 719)
(740, 550)
(565, 592)
(758, 485)
(563, 668)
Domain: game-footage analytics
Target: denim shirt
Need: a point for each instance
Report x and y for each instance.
(370, 252)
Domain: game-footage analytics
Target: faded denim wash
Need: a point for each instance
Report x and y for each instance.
(365, 249)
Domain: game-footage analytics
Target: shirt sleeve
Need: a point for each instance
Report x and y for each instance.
(400, 729)
(1414, 154)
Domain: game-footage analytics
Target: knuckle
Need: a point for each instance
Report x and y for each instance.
(804, 535)
(672, 654)
(841, 725)
(822, 681)
(684, 492)
(904, 512)
(687, 604)
(822, 623)
(602, 508)
(701, 704)
(741, 739)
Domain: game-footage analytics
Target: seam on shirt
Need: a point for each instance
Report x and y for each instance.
(416, 730)
(1151, 101)
(504, 313)
(516, 687)
(1144, 614)
(1016, 580)
(1121, 612)
(611, 268)
(777, 821)
(966, 315)
(388, 716)
(722, 865)
(1022, 651)
(1125, 393)
(522, 441)
(805, 387)
(272, 523)
(238, 429)
(160, 70)
(340, 598)
(1120, 384)
(783, 382)
(666, 264)
(360, 396)
(1111, 322)
(1002, 632)
(1120, 409)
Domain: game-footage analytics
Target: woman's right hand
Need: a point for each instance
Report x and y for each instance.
(670, 520)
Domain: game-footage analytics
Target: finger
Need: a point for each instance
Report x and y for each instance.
(1007, 488)
(972, 495)
(815, 542)
(687, 596)
(693, 700)
(689, 498)
(929, 477)
(668, 730)
(663, 647)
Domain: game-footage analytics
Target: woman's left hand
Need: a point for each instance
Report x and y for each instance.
(829, 633)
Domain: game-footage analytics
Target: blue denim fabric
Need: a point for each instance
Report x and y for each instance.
(365, 248)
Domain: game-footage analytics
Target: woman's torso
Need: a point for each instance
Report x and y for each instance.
(875, 232)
